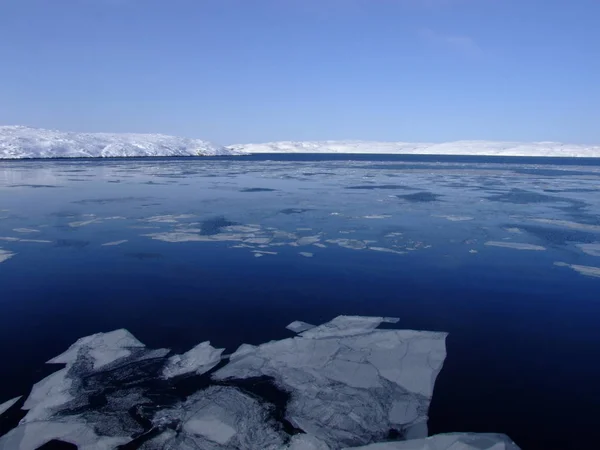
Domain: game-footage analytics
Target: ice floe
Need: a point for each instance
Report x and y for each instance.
(306, 254)
(114, 243)
(5, 255)
(342, 384)
(589, 271)
(569, 224)
(515, 245)
(8, 404)
(198, 360)
(25, 230)
(449, 441)
(452, 218)
(591, 249)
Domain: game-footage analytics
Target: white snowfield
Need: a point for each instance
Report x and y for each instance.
(475, 148)
(18, 142)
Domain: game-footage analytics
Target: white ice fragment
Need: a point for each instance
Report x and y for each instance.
(36, 241)
(25, 230)
(348, 243)
(450, 441)
(591, 249)
(514, 230)
(305, 442)
(387, 250)
(452, 218)
(190, 237)
(307, 254)
(569, 224)
(377, 216)
(473, 251)
(83, 223)
(583, 270)
(198, 360)
(263, 252)
(347, 326)
(298, 326)
(317, 244)
(114, 243)
(5, 255)
(308, 240)
(7, 405)
(258, 240)
(104, 348)
(31, 436)
(168, 218)
(9, 239)
(51, 392)
(212, 429)
(258, 255)
(515, 245)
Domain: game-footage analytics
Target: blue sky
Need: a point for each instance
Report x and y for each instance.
(237, 71)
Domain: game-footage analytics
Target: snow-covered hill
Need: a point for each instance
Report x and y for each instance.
(23, 142)
(481, 148)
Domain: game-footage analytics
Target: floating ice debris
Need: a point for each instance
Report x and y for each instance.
(304, 229)
(456, 218)
(473, 251)
(515, 245)
(31, 436)
(7, 405)
(46, 395)
(514, 230)
(36, 241)
(349, 383)
(583, 270)
(26, 230)
(348, 243)
(218, 418)
(308, 240)
(5, 255)
(298, 326)
(450, 441)
(84, 223)
(9, 239)
(318, 244)
(258, 255)
(377, 216)
(591, 249)
(258, 240)
(104, 348)
(307, 254)
(306, 442)
(112, 244)
(198, 360)
(569, 224)
(262, 252)
(387, 250)
(168, 218)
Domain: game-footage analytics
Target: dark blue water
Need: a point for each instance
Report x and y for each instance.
(524, 332)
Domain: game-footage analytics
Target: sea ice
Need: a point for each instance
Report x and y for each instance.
(8, 404)
(307, 254)
(298, 326)
(583, 270)
(26, 230)
(5, 255)
(569, 224)
(450, 441)
(591, 249)
(456, 218)
(112, 244)
(353, 244)
(198, 360)
(515, 245)
(350, 384)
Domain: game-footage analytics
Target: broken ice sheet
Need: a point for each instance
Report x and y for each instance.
(592, 249)
(198, 360)
(350, 384)
(449, 441)
(515, 245)
(589, 271)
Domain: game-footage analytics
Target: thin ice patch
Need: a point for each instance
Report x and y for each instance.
(8, 404)
(515, 245)
(5, 255)
(588, 271)
(200, 359)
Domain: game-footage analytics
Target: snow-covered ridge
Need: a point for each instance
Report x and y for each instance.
(18, 142)
(477, 148)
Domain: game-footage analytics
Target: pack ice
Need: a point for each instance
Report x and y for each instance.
(342, 384)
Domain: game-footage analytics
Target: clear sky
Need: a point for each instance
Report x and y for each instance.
(237, 71)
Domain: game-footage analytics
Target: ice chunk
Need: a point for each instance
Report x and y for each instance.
(84, 223)
(348, 243)
(26, 230)
(46, 395)
(450, 441)
(104, 348)
(298, 326)
(36, 241)
(218, 418)
(114, 243)
(31, 436)
(347, 326)
(569, 224)
(198, 360)
(591, 249)
(387, 250)
(308, 240)
(589, 271)
(515, 245)
(377, 216)
(306, 254)
(7, 405)
(349, 383)
(5, 255)
(306, 442)
(452, 218)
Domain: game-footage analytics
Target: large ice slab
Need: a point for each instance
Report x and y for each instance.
(450, 441)
(5, 255)
(23, 142)
(350, 384)
(198, 360)
(104, 348)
